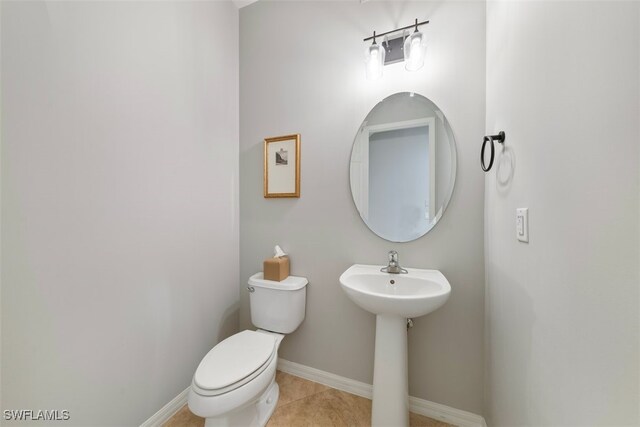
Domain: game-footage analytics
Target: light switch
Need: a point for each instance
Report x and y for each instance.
(522, 224)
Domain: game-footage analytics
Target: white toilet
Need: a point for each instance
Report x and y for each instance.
(235, 384)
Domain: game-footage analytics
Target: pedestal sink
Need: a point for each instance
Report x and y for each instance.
(393, 298)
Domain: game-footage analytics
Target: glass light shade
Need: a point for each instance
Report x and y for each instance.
(374, 61)
(415, 47)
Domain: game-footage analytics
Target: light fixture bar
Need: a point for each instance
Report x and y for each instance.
(415, 25)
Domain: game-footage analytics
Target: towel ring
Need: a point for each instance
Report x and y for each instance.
(490, 139)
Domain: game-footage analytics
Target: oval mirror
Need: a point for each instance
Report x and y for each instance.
(403, 167)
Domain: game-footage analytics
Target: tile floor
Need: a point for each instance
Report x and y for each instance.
(305, 403)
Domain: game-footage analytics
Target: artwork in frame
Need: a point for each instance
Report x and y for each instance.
(282, 166)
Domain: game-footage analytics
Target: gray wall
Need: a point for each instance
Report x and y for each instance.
(562, 311)
(302, 70)
(119, 202)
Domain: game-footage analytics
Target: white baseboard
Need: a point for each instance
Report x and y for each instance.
(167, 411)
(445, 413)
(433, 410)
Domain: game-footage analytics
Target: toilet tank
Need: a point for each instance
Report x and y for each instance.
(277, 306)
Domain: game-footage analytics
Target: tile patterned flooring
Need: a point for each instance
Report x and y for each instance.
(305, 403)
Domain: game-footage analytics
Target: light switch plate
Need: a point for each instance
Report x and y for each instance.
(522, 224)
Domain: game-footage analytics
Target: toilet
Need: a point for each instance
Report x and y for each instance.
(235, 383)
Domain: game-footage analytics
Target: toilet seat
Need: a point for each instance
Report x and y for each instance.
(234, 362)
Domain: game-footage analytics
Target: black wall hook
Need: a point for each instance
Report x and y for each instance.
(490, 139)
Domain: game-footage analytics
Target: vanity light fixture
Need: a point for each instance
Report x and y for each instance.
(413, 49)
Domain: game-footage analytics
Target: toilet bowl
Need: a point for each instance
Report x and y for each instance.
(234, 385)
(231, 390)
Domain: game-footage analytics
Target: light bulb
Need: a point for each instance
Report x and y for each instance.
(414, 51)
(374, 61)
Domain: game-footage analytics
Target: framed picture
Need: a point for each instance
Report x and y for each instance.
(282, 166)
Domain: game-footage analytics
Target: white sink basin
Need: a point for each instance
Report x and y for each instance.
(414, 294)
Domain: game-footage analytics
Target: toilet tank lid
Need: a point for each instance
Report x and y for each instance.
(291, 283)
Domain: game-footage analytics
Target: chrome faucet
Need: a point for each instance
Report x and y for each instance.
(394, 266)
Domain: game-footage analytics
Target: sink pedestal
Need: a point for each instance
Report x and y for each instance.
(390, 373)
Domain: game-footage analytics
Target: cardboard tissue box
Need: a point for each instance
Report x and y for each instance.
(276, 269)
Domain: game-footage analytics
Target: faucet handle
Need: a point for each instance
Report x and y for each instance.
(393, 266)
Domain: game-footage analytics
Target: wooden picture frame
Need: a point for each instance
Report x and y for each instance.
(282, 166)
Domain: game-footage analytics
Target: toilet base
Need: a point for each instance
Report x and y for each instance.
(267, 403)
(255, 414)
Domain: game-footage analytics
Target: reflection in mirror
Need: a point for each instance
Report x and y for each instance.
(403, 167)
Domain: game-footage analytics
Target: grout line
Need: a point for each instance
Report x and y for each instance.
(303, 397)
(337, 411)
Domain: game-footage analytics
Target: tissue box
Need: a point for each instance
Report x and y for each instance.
(276, 269)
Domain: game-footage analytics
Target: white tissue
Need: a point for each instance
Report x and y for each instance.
(278, 252)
